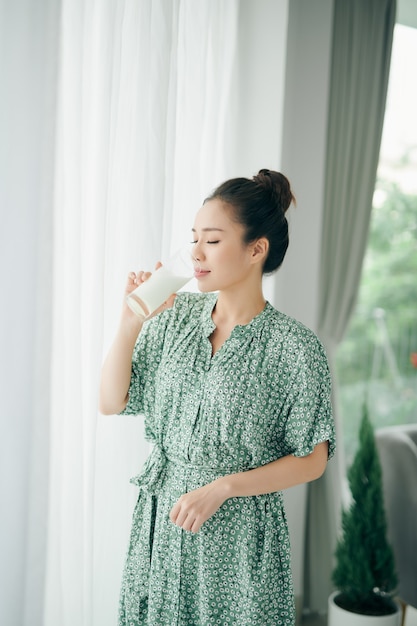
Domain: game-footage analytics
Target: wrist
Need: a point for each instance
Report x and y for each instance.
(225, 485)
(130, 326)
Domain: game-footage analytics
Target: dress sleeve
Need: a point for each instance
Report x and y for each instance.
(146, 358)
(309, 410)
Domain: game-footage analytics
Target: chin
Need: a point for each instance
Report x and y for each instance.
(205, 288)
(207, 285)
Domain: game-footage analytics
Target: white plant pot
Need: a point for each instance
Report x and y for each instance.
(340, 617)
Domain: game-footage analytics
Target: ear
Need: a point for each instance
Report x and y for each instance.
(259, 251)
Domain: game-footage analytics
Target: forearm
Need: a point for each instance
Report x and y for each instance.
(192, 509)
(276, 476)
(117, 367)
(116, 370)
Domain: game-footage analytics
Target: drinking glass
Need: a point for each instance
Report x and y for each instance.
(176, 272)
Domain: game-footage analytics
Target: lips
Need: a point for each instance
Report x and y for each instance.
(200, 273)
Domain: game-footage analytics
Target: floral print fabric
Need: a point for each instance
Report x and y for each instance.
(263, 395)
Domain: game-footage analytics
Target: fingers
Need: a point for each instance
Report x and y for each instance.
(140, 277)
(194, 508)
(134, 279)
(187, 519)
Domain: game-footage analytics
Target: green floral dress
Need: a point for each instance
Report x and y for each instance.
(263, 395)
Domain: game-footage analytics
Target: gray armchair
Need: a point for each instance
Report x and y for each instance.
(397, 448)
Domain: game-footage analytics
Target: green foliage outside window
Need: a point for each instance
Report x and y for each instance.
(373, 360)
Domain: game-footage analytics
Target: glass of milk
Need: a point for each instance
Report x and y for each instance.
(176, 272)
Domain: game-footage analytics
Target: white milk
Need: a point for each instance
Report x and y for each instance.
(154, 291)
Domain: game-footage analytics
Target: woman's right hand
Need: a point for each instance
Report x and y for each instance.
(134, 280)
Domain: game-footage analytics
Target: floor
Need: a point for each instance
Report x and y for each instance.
(318, 620)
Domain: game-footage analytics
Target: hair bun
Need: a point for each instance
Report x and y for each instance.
(278, 186)
(259, 205)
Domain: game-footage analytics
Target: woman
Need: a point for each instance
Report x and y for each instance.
(236, 398)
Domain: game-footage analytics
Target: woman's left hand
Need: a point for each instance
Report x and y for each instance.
(196, 507)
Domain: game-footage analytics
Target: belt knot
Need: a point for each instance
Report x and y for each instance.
(153, 472)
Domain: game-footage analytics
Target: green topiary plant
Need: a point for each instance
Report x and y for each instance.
(365, 573)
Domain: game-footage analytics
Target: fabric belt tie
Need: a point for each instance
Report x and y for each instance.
(153, 473)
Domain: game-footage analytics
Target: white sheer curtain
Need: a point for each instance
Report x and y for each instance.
(142, 136)
(158, 101)
(28, 65)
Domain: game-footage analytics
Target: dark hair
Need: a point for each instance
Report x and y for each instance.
(260, 204)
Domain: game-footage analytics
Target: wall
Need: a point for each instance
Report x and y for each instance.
(303, 161)
(260, 85)
(303, 153)
(407, 13)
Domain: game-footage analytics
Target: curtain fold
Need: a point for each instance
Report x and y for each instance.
(143, 109)
(28, 65)
(361, 52)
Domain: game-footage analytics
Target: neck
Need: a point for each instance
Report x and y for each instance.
(238, 308)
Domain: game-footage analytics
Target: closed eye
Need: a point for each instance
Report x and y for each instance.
(217, 241)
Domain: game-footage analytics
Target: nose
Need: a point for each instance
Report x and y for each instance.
(197, 252)
(197, 255)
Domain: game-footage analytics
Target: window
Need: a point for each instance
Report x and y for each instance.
(374, 361)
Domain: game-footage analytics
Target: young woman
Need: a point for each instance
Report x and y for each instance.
(236, 399)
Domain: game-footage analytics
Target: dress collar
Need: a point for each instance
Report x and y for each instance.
(257, 322)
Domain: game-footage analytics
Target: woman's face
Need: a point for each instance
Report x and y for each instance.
(225, 260)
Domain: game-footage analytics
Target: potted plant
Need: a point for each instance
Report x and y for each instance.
(364, 574)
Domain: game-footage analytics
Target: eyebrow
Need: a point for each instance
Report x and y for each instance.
(204, 230)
